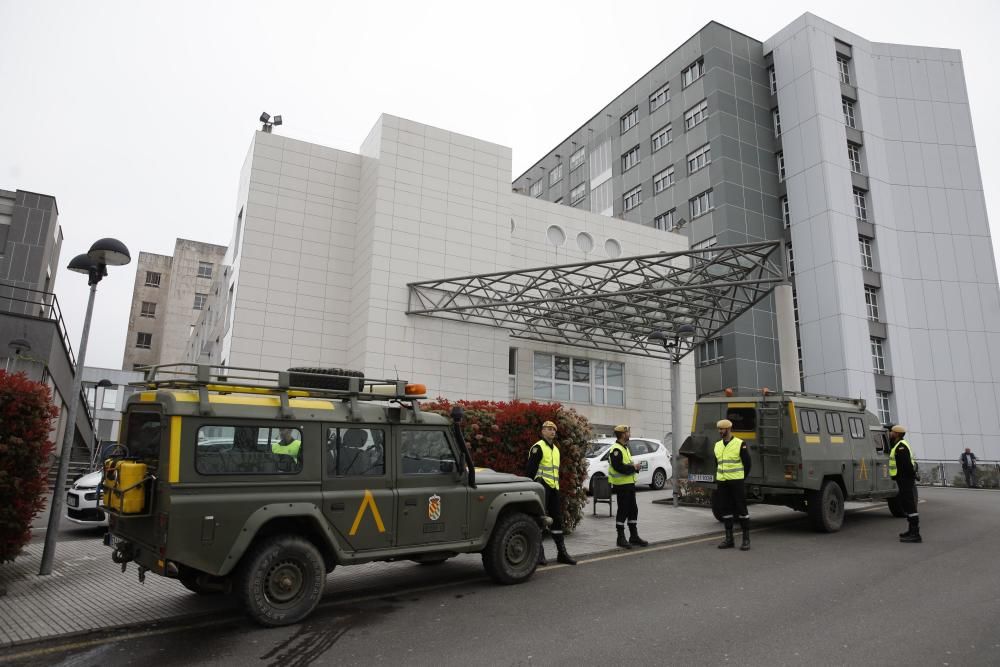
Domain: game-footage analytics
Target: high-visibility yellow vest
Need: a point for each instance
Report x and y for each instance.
(291, 449)
(616, 478)
(548, 467)
(892, 457)
(730, 463)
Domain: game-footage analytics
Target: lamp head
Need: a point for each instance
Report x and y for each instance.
(104, 382)
(19, 345)
(110, 252)
(264, 117)
(82, 264)
(277, 119)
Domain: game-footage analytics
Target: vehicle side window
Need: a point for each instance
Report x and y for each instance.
(425, 452)
(809, 421)
(834, 424)
(857, 428)
(142, 436)
(880, 444)
(638, 447)
(248, 450)
(355, 452)
(744, 419)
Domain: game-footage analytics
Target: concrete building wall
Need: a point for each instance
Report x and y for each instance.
(152, 279)
(30, 240)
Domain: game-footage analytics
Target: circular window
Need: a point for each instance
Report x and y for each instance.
(613, 248)
(556, 235)
(585, 241)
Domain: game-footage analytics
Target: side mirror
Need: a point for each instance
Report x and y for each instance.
(447, 466)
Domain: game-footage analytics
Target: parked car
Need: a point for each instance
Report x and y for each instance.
(83, 501)
(651, 454)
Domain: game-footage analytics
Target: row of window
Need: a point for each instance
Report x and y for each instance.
(698, 205)
(204, 271)
(657, 140)
(148, 308)
(578, 380)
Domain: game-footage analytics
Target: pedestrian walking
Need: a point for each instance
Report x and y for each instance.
(903, 469)
(622, 474)
(733, 466)
(543, 467)
(968, 461)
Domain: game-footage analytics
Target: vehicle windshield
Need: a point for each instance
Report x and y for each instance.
(596, 449)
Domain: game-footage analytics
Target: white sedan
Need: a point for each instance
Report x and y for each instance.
(82, 503)
(651, 455)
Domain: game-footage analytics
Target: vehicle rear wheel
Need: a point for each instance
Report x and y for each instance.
(659, 479)
(281, 580)
(511, 554)
(716, 508)
(826, 507)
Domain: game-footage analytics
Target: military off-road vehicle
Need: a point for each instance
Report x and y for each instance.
(808, 452)
(261, 482)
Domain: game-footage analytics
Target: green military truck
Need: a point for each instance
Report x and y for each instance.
(808, 452)
(261, 482)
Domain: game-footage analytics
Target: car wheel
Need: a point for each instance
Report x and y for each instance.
(826, 507)
(659, 479)
(281, 580)
(512, 552)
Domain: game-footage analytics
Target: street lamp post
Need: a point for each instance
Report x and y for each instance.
(672, 344)
(95, 263)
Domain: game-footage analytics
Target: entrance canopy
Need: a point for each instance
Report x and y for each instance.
(613, 305)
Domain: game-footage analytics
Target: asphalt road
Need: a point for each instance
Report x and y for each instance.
(854, 597)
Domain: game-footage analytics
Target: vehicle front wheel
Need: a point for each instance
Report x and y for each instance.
(659, 479)
(826, 507)
(512, 552)
(281, 580)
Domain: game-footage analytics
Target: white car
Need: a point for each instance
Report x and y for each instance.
(651, 454)
(83, 502)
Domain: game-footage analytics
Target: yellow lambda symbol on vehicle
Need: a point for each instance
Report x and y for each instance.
(863, 470)
(369, 501)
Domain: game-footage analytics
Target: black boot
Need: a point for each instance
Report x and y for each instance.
(745, 525)
(914, 535)
(622, 542)
(633, 536)
(908, 531)
(541, 553)
(728, 542)
(563, 556)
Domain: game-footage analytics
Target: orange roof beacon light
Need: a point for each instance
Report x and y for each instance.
(416, 389)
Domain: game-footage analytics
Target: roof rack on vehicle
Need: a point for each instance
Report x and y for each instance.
(773, 394)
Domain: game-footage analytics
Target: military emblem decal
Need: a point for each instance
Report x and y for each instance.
(434, 507)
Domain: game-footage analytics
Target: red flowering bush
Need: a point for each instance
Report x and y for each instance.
(26, 414)
(499, 434)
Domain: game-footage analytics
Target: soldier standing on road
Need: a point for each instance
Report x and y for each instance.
(543, 467)
(622, 474)
(733, 460)
(903, 469)
(968, 461)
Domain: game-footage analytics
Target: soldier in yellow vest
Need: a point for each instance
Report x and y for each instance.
(543, 467)
(622, 474)
(903, 469)
(288, 444)
(733, 459)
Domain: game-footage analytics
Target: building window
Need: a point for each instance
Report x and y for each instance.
(663, 180)
(710, 352)
(854, 157)
(867, 262)
(579, 380)
(882, 402)
(577, 158)
(772, 80)
(110, 399)
(661, 138)
(558, 201)
(699, 158)
(632, 198)
(659, 98)
(199, 301)
(577, 194)
(790, 258)
(871, 303)
(666, 222)
(693, 72)
(630, 159)
(781, 165)
(143, 341)
(629, 120)
(152, 279)
(536, 188)
(696, 114)
(148, 309)
(205, 269)
(848, 107)
(776, 121)
(700, 204)
(844, 66)
(860, 205)
(878, 356)
(786, 214)
(555, 174)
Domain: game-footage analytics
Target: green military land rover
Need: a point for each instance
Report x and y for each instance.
(261, 482)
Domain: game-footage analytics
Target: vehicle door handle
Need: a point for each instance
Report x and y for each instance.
(337, 507)
(411, 502)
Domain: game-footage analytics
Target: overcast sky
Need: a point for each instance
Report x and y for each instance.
(137, 116)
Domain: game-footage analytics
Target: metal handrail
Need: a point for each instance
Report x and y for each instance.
(50, 309)
(941, 472)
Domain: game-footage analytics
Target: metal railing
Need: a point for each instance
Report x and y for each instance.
(28, 302)
(937, 472)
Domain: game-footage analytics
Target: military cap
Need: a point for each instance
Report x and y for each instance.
(621, 428)
(724, 423)
(548, 424)
(899, 428)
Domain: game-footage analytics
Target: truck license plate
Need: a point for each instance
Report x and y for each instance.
(701, 478)
(72, 500)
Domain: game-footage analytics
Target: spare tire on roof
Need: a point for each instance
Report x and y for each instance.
(322, 378)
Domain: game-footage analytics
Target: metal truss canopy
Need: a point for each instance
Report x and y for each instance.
(613, 305)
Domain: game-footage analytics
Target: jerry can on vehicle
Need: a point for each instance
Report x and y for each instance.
(124, 486)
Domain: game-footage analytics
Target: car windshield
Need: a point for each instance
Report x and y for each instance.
(596, 449)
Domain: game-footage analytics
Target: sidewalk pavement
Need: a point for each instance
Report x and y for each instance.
(86, 592)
